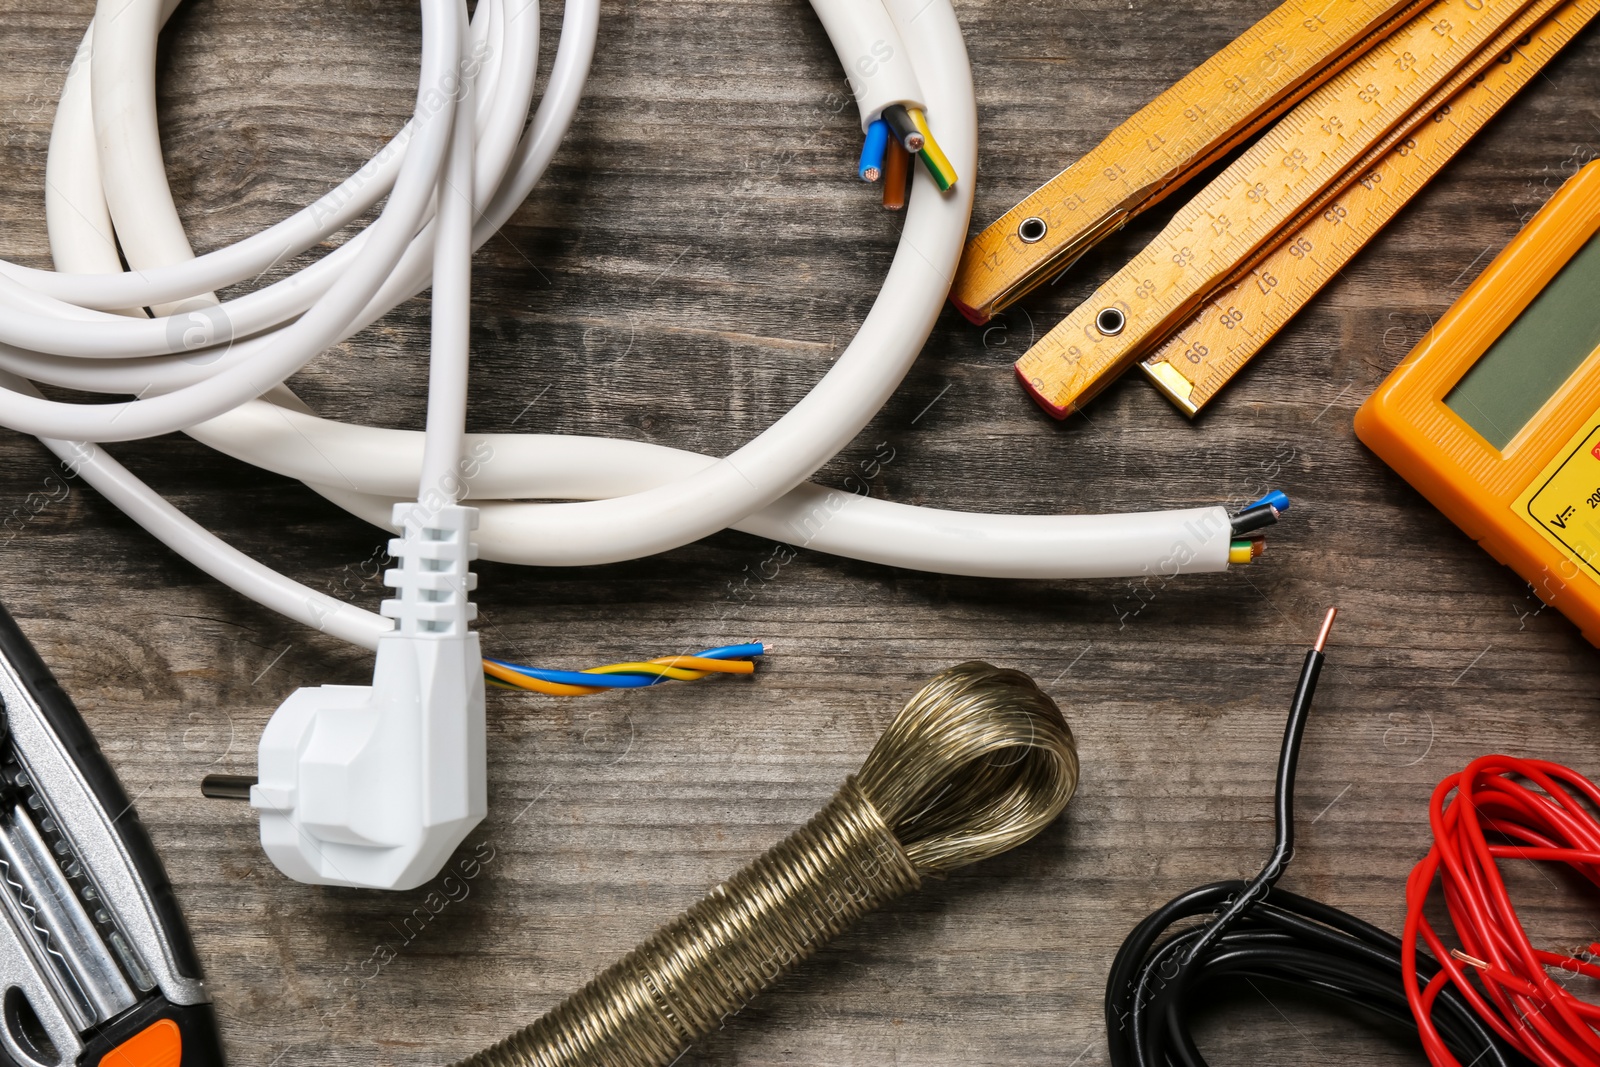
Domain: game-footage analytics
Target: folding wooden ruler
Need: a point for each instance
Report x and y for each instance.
(1239, 319)
(1219, 105)
(1412, 84)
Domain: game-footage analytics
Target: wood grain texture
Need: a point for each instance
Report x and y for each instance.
(695, 259)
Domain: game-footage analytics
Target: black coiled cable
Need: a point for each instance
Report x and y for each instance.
(1258, 932)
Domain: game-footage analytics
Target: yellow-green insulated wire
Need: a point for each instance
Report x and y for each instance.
(932, 155)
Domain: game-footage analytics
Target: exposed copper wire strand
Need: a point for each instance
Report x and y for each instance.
(1322, 635)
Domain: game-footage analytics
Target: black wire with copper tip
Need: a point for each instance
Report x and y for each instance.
(1257, 932)
(904, 127)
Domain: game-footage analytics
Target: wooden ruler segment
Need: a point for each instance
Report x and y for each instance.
(1224, 101)
(1241, 211)
(1216, 343)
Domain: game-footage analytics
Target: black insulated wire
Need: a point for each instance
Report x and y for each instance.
(1253, 930)
(1253, 518)
(904, 128)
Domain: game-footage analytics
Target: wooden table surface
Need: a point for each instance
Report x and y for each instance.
(696, 258)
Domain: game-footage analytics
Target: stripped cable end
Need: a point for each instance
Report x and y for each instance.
(1259, 514)
(1327, 625)
(898, 116)
(870, 168)
(728, 659)
(932, 156)
(896, 169)
(1276, 497)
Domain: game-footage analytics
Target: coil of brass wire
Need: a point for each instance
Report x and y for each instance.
(977, 762)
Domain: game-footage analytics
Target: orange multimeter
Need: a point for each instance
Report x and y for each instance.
(1495, 415)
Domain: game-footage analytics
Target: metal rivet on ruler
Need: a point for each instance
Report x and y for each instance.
(1032, 230)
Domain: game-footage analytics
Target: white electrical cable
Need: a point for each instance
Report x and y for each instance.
(870, 48)
(215, 369)
(337, 618)
(452, 305)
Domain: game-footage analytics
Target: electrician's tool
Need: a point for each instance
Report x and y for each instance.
(1495, 415)
(96, 965)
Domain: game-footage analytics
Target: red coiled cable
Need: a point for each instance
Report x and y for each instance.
(1536, 809)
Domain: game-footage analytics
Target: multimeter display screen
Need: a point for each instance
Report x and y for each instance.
(1527, 364)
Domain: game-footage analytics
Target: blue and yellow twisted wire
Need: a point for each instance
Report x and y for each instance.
(728, 659)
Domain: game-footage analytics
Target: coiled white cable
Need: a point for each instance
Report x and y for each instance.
(447, 182)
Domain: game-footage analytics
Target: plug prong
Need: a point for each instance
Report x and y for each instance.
(227, 786)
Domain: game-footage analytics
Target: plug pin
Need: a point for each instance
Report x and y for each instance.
(227, 786)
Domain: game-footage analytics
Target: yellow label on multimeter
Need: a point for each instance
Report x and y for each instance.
(1563, 503)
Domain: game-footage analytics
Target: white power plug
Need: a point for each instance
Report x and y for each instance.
(376, 785)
